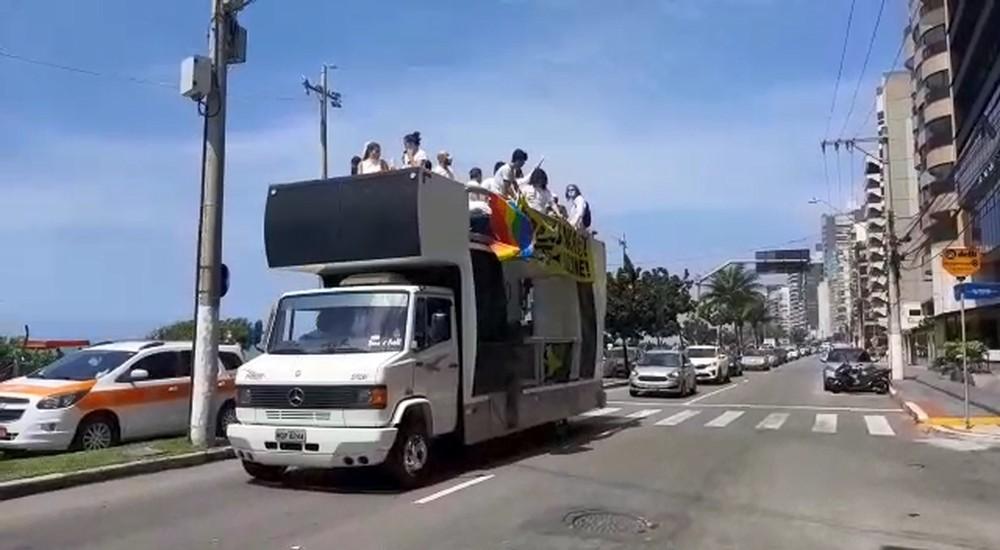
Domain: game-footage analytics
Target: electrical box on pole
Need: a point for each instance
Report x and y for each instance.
(196, 77)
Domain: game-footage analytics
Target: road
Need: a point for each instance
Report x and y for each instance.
(769, 461)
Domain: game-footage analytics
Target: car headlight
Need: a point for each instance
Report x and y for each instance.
(672, 375)
(61, 401)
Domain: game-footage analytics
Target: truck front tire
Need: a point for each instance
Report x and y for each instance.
(409, 459)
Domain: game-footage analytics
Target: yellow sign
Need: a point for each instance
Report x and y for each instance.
(560, 247)
(961, 262)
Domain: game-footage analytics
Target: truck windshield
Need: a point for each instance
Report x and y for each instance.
(345, 322)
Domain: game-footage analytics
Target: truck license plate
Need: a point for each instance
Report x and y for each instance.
(290, 436)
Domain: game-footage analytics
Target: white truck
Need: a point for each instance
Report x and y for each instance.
(417, 331)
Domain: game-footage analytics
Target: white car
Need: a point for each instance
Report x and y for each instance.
(104, 394)
(710, 363)
(793, 354)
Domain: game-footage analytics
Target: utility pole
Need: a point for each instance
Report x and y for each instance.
(893, 257)
(324, 95)
(227, 44)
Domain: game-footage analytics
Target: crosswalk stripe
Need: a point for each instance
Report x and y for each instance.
(773, 421)
(724, 419)
(601, 412)
(878, 425)
(825, 423)
(677, 418)
(643, 413)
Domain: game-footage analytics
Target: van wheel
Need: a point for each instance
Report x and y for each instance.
(410, 456)
(264, 472)
(96, 432)
(227, 416)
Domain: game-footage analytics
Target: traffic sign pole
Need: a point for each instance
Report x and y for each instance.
(965, 359)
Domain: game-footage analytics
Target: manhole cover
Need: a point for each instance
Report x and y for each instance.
(604, 522)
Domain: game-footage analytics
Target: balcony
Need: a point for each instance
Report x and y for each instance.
(873, 183)
(874, 196)
(872, 168)
(937, 156)
(931, 15)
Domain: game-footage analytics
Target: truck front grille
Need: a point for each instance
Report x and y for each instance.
(289, 414)
(305, 397)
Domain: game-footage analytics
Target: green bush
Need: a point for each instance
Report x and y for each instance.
(950, 362)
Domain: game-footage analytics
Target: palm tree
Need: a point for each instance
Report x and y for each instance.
(731, 291)
(755, 313)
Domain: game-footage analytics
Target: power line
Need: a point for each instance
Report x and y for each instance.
(864, 67)
(123, 77)
(961, 232)
(840, 69)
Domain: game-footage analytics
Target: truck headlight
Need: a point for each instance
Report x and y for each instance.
(375, 397)
(61, 401)
(243, 397)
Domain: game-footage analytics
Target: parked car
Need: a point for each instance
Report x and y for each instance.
(614, 361)
(756, 359)
(792, 354)
(108, 393)
(711, 363)
(663, 371)
(838, 357)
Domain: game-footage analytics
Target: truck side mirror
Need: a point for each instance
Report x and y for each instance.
(440, 327)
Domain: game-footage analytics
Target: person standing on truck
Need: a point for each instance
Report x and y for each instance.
(536, 193)
(492, 184)
(413, 155)
(578, 208)
(371, 162)
(443, 167)
(507, 176)
(355, 163)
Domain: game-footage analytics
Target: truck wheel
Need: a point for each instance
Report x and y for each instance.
(227, 416)
(410, 456)
(264, 472)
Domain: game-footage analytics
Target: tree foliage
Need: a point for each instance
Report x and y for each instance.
(696, 330)
(732, 297)
(646, 303)
(237, 330)
(26, 360)
(799, 335)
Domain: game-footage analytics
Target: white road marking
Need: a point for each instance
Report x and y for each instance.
(676, 419)
(601, 412)
(643, 413)
(724, 419)
(878, 425)
(825, 423)
(454, 488)
(710, 394)
(797, 407)
(773, 421)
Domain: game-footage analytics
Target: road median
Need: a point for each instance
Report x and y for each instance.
(28, 475)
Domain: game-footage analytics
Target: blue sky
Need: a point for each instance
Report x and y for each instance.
(691, 125)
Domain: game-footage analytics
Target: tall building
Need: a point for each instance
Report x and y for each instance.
(824, 327)
(838, 252)
(975, 79)
(779, 306)
(930, 65)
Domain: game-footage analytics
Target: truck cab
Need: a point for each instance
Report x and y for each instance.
(418, 331)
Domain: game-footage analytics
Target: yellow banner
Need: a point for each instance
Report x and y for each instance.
(560, 248)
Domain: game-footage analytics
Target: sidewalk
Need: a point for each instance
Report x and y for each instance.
(937, 401)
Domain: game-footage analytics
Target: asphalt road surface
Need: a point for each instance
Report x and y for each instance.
(769, 461)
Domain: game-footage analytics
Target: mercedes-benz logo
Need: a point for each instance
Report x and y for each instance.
(296, 397)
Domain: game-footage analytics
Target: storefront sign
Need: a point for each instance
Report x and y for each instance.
(961, 262)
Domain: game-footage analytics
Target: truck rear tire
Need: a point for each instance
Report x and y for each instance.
(409, 459)
(264, 472)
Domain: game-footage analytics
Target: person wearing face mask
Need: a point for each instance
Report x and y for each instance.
(413, 155)
(371, 161)
(443, 167)
(577, 207)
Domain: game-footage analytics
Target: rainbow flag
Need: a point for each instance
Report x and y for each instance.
(513, 234)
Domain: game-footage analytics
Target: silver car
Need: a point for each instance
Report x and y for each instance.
(663, 371)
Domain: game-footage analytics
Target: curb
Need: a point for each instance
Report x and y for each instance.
(51, 482)
(614, 384)
(963, 433)
(956, 395)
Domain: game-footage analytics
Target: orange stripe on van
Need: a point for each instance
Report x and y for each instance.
(112, 397)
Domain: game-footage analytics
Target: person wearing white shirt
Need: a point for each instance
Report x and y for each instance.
(371, 161)
(536, 193)
(578, 209)
(478, 204)
(413, 155)
(491, 183)
(443, 167)
(506, 176)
